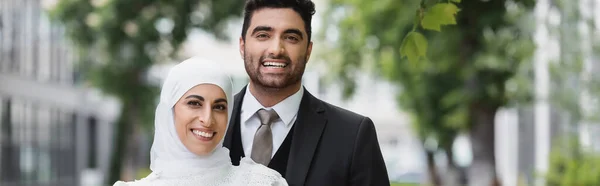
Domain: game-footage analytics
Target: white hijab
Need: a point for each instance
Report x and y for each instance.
(169, 158)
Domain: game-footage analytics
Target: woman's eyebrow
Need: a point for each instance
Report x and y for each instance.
(221, 100)
(195, 96)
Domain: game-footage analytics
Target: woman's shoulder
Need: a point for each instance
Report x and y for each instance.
(249, 165)
(130, 183)
(134, 183)
(123, 183)
(143, 181)
(260, 174)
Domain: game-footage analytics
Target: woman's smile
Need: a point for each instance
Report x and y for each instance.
(203, 134)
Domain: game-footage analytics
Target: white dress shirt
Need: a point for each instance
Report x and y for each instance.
(286, 109)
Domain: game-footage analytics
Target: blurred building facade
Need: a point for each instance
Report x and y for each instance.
(54, 131)
(526, 135)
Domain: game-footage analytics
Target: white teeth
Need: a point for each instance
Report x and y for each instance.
(274, 64)
(203, 134)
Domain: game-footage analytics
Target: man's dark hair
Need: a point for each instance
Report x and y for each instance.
(305, 8)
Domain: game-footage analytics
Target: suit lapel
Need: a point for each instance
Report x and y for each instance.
(235, 118)
(307, 133)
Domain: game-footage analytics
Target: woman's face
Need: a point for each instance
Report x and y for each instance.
(201, 118)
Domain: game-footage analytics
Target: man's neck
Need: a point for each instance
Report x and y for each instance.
(269, 97)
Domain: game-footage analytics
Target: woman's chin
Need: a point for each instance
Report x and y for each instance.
(202, 152)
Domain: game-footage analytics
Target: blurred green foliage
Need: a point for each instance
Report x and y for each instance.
(143, 173)
(119, 40)
(569, 166)
(575, 93)
(455, 80)
(570, 76)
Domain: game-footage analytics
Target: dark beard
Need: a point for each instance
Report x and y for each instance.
(290, 79)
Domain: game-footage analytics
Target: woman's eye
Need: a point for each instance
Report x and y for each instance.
(220, 107)
(194, 103)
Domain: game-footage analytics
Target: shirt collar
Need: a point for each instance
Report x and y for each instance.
(286, 109)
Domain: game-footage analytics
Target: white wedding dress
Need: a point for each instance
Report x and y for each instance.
(248, 173)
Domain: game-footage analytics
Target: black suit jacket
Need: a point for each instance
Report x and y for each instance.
(330, 146)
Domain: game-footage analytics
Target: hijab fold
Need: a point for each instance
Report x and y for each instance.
(168, 156)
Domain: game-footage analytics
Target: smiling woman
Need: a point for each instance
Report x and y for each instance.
(192, 116)
(201, 118)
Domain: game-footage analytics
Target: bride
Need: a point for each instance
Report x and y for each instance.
(191, 119)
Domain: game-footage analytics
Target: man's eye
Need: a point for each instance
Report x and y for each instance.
(262, 36)
(293, 38)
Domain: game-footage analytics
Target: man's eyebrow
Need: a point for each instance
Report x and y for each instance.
(294, 31)
(261, 28)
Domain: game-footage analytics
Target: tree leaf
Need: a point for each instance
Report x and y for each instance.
(413, 46)
(456, 1)
(438, 15)
(387, 62)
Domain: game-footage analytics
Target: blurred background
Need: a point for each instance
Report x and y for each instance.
(506, 93)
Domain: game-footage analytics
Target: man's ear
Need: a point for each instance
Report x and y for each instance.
(309, 51)
(242, 46)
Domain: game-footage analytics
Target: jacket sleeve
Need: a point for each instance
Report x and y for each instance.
(367, 165)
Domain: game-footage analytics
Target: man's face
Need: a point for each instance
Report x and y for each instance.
(276, 48)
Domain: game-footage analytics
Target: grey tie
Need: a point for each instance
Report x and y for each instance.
(262, 147)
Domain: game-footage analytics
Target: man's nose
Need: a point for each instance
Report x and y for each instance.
(276, 47)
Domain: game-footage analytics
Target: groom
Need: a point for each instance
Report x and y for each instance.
(277, 123)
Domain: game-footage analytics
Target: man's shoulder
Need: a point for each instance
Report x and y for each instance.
(240, 94)
(341, 115)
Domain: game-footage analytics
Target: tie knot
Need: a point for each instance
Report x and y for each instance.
(267, 116)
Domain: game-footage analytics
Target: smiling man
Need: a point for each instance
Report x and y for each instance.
(279, 124)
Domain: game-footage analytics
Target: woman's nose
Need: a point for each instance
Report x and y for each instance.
(205, 117)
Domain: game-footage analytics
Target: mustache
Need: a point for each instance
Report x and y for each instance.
(279, 57)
